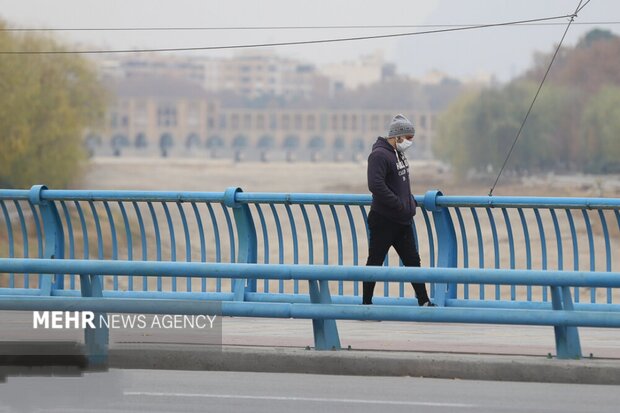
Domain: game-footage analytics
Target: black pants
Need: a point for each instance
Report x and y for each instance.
(383, 235)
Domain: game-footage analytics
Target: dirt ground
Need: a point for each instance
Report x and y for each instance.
(345, 177)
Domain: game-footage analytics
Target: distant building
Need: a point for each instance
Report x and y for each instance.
(153, 116)
(251, 74)
(170, 116)
(259, 73)
(369, 69)
(154, 65)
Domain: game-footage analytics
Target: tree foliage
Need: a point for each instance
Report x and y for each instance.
(46, 104)
(573, 126)
(600, 131)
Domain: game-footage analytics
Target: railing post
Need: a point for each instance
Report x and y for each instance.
(325, 331)
(567, 343)
(96, 339)
(446, 243)
(246, 234)
(54, 238)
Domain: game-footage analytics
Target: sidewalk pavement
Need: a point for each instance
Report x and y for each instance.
(388, 348)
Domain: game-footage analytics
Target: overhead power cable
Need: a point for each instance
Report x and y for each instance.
(233, 28)
(292, 43)
(542, 82)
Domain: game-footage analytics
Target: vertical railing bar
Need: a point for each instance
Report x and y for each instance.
(203, 244)
(263, 225)
(414, 228)
(365, 217)
(65, 211)
(474, 214)
(276, 218)
(38, 228)
(231, 237)
(365, 220)
(173, 243)
(100, 255)
(114, 240)
(558, 238)
(617, 213)
(340, 247)
(295, 244)
(459, 216)
(573, 233)
(431, 242)
(9, 229)
(511, 250)
(304, 213)
(355, 241)
(495, 248)
(85, 246)
(218, 246)
(37, 225)
(188, 244)
(157, 240)
(528, 249)
(26, 241)
(543, 246)
(323, 234)
(586, 218)
(231, 233)
(431, 238)
(129, 241)
(93, 210)
(136, 208)
(607, 249)
(355, 248)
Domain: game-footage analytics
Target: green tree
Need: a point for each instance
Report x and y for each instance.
(46, 104)
(601, 131)
(455, 132)
(572, 124)
(478, 129)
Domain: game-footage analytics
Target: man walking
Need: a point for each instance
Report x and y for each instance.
(393, 207)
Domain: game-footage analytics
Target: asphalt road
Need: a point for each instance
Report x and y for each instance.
(200, 391)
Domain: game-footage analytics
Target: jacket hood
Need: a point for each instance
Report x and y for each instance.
(382, 143)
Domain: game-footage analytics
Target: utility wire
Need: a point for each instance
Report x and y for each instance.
(572, 17)
(584, 5)
(294, 43)
(403, 26)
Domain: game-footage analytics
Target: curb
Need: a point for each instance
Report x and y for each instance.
(367, 363)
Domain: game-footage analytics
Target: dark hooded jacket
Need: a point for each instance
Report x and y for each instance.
(388, 181)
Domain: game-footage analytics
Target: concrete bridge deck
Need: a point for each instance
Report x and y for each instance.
(491, 352)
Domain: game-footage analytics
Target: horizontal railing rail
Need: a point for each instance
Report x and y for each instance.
(562, 317)
(312, 272)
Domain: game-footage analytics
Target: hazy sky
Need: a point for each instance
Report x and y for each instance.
(501, 51)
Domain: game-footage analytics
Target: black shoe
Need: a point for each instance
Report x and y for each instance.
(428, 304)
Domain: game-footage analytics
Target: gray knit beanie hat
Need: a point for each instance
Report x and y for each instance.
(400, 126)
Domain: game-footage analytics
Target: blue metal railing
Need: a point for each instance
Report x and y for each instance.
(567, 235)
(478, 232)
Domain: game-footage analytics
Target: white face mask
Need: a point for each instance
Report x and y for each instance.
(404, 145)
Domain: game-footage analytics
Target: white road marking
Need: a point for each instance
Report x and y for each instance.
(302, 399)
